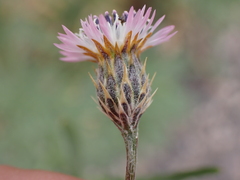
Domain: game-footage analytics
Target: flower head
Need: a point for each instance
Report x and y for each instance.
(115, 43)
(104, 35)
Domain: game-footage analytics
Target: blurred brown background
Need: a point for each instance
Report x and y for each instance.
(48, 120)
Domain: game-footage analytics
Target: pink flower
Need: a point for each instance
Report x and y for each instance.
(122, 85)
(104, 35)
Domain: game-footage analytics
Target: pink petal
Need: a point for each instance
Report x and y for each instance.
(69, 33)
(143, 21)
(157, 23)
(73, 57)
(95, 32)
(129, 22)
(149, 24)
(162, 32)
(159, 40)
(105, 27)
(68, 48)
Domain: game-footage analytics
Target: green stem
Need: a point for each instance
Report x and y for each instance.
(131, 141)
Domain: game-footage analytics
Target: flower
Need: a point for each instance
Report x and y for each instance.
(102, 34)
(115, 43)
(123, 87)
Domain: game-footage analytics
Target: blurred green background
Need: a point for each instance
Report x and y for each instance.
(49, 121)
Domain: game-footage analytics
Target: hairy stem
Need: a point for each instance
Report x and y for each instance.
(131, 141)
